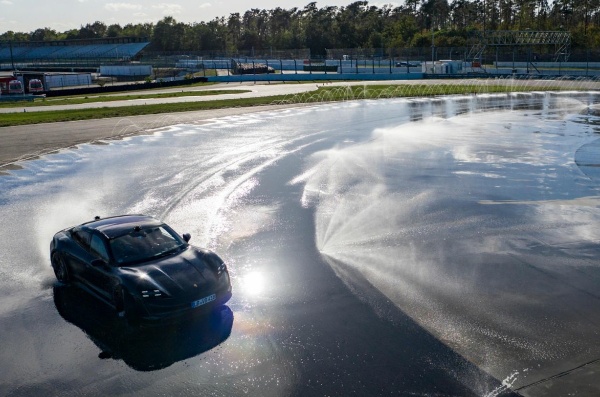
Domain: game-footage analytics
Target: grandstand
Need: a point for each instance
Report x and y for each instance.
(70, 53)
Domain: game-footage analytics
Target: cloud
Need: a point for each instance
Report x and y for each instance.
(6, 2)
(205, 5)
(122, 6)
(168, 8)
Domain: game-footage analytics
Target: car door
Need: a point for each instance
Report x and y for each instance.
(100, 277)
(78, 256)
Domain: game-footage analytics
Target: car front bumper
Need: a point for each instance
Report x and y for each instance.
(158, 310)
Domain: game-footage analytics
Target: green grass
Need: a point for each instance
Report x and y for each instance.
(323, 94)
(11, 119)
(76, 100)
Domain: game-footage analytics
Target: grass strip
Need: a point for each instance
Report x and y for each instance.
(12, 119)
(115, 97)
(323, 94)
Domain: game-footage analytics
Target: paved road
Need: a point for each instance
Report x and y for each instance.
(293, 327)
(25, 142)
(480, 228)
(30, 141)
(255, 91)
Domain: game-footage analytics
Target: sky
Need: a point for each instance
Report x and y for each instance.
(63, 15)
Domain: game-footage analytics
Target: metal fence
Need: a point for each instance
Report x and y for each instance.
(516, 59)
(489, 56)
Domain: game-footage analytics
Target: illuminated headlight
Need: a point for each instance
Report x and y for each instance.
(224, 277)
(221, 269)
(152, 293)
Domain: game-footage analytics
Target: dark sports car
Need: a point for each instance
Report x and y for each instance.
(140, 266)
(409, 64)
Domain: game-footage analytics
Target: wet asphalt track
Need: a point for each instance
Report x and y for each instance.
(374, 250)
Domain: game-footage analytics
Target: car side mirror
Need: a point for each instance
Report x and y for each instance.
(187, 237)
(99, 263)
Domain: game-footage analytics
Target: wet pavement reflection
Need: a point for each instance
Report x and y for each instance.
(143, 347)
(433, 246)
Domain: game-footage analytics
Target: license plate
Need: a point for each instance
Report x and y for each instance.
(204, 301)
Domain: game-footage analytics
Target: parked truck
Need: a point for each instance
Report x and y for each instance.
(4, 80)
(35, 86)
(15, 87)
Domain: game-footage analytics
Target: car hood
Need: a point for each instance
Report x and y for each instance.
(181, 274)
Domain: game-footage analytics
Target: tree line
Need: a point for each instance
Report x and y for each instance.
(358, 25)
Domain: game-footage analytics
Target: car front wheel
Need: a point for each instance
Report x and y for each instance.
(124, 305)
(60, 268)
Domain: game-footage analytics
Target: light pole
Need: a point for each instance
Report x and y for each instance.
(432, 48)
(12, 59)
(484, 34)
(528, 52)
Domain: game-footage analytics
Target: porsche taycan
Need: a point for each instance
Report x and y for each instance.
(141, 267)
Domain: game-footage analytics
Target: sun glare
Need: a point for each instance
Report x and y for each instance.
(253, 283)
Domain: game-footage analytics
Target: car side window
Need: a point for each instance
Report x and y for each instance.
(98, 248)
(83, 237)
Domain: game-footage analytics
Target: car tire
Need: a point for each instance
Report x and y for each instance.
(118, 299)
(124, 305)
(61, 271)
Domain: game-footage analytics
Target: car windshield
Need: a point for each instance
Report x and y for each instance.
(141, 245)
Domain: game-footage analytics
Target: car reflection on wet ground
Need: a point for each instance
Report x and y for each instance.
(434, 246)
(143, 347)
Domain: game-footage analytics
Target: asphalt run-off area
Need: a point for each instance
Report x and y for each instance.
(443, 246)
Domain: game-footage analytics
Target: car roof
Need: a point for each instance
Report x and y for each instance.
(118, 225)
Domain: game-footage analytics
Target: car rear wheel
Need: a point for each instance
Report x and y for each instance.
(60, 268)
